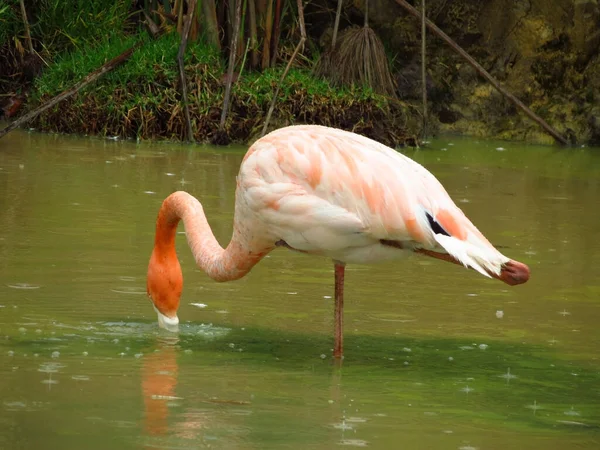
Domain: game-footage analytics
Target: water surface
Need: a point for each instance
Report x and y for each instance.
(437, 357)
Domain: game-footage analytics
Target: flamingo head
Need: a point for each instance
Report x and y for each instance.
(513, 273)
(164, 285)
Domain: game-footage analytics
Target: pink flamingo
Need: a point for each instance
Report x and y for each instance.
(326, 192)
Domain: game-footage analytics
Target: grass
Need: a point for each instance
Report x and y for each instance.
(140, 99)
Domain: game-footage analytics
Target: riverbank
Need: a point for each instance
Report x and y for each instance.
(546, 57)
(141, 100)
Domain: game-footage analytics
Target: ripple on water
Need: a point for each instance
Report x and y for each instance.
(127, 278)
(207, 331)
(50, 367)
(130, 290)
(23, 286)
(354, 442)
(23, 406)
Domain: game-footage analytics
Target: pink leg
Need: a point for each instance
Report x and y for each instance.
(338, 347)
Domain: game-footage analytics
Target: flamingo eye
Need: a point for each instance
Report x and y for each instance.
(435, 226)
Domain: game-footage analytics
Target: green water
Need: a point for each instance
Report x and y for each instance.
(429, 364)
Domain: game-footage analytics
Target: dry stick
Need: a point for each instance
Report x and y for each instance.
(253, 34)
(110, 65)
(26, 22)
(276, 33)
(485, 74)
(268, 17)
(336, 25)
(423, 67)
(232, 54)
(182, 81)
(152, 27)
(289, 65)
(301, 19)
(287, 68)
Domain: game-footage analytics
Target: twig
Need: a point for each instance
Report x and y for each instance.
(336, 25)
(424, 67)
(90, 78)
(276, 33)
(182, 81)
(301, 20)
(287, 68)
(26, 22)
(484, 73)
(253, 39)
(232, 54)
(152, 27)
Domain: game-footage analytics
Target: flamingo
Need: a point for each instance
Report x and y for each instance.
(326, 192)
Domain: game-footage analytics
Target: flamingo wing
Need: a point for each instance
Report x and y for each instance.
(332, 192)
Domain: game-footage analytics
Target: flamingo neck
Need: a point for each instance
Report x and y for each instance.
(220, 264)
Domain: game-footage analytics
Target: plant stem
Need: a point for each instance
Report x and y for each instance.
(232, 55)
(424, 67)
(484, 73)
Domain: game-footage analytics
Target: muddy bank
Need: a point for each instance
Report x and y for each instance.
(545, 53)
(159, 115)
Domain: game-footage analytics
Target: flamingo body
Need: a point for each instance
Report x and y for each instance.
(325, 192)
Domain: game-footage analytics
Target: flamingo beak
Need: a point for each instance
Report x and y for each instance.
(513, 273)
(168, 323)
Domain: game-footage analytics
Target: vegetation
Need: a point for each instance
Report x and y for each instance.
(525, 59)
(141, 99)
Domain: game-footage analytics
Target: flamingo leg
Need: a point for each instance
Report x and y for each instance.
(338, 347)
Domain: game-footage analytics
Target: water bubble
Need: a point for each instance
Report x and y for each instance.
(22, 330)
(483, 346)
(115, 341)
(450, 358)
(55, 354)
(10, 353)
(323, 356)
(231, 345)
(38, 331)
(138, 355)
(85, 353)
(198, 305)
(499, 314)
(121, 354)
(187, 351)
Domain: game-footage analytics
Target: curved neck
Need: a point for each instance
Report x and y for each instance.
(220, 264)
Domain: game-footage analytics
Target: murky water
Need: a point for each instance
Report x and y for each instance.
(437, 357)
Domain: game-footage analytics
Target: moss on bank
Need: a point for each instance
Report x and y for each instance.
(140, 99)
